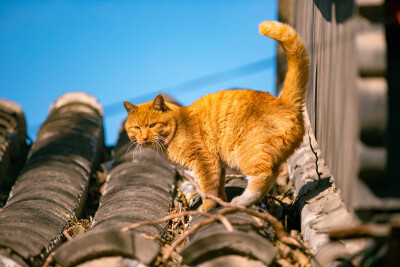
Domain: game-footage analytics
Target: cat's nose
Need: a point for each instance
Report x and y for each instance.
(145, 138)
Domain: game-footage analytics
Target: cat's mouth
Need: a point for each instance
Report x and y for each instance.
(147, 144)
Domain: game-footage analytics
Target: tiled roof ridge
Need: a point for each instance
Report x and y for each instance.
(77, 97)
(319, 201)
(52, 184)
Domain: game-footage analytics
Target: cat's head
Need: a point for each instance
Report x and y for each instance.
(150, 123)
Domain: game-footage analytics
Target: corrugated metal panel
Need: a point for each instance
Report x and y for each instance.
(327, 30)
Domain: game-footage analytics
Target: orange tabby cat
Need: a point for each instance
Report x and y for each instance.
(248, 130)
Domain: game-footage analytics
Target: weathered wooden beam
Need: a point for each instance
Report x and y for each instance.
(327, 29)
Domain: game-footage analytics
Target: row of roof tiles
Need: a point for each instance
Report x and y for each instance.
(54, 182)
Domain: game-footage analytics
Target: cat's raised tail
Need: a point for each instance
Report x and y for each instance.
(296, 80)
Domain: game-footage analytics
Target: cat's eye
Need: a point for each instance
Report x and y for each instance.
(136, 127)
(152, 125)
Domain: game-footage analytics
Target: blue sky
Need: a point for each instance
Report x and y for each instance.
(130, 50)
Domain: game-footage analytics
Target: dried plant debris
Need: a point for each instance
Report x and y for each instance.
(274, 225)
(96, 189)
(293, 251)
(176, 226)
(75, 226)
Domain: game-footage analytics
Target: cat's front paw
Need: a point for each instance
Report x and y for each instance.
(207, 205)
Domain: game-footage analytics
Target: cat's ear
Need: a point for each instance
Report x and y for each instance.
(159, 104)
(130, 108)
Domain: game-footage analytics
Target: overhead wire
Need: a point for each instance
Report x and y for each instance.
(192, 85)
(217, 77)
(199, 83)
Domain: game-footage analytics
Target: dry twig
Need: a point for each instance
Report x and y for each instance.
(185, 235)
(228, 208)
(48, 260)
(184, 199)
(163, 219)
(274, 222)
(66, 234)
(234, 176)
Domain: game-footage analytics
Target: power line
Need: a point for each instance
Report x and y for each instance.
(196, 84)
(206, 80)
(226, 75)
(191, 85)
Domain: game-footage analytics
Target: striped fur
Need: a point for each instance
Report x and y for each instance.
(248, 130)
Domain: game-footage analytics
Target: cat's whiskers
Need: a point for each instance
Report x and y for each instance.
(159, 141)
(133, 142)
(157, 148)
(141, 151)
(137, 150)
(160, 146)
(163, 149)
(134, 152)
(130, 146)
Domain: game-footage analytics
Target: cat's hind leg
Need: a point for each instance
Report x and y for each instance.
(260, 159)
(258, 187)
(261, 175)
